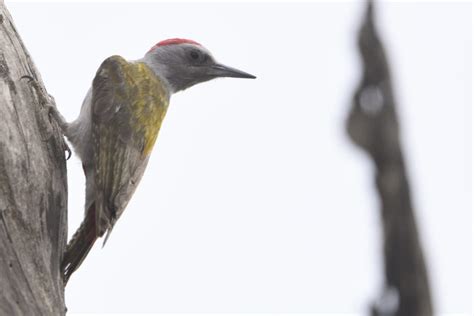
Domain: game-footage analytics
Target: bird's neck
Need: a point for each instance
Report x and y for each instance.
(160, 71)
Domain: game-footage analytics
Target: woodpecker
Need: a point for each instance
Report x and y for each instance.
(117, 127)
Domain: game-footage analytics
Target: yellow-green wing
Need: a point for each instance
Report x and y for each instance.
(128, 105)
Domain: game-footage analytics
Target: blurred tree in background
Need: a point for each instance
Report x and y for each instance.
(373, 126)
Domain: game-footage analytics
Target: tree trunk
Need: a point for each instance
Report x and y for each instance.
(33, 186)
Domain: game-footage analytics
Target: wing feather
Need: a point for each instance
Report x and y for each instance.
(128, 105)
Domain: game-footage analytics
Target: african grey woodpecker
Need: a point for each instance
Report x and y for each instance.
(117, 127)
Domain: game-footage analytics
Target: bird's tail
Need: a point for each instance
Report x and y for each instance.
(80, 245)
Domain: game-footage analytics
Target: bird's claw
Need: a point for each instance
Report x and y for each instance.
(66, 148)
(30, 78)
(40, 91)
(47, 101)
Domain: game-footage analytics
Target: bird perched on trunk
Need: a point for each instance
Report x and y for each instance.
(118, 125)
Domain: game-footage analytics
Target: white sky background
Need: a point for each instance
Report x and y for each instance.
(254, 199)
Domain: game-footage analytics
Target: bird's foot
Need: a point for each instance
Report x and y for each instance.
(48, 104)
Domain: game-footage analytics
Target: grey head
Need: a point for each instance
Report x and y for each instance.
(184, 63)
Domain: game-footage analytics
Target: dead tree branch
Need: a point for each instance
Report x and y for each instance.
(373, 125)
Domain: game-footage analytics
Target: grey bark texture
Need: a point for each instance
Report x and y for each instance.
(33, 186)
(373, 125)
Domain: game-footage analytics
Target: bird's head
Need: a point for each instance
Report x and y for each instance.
(184, 63)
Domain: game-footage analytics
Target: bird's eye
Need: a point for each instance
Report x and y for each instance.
(194, 55)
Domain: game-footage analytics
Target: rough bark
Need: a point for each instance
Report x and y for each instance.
(373, 125)
(33, 187)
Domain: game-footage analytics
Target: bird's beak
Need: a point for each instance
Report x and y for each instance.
(219, 70)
